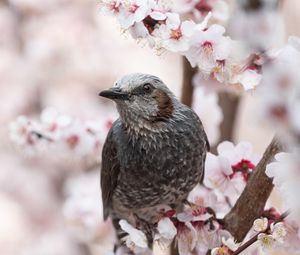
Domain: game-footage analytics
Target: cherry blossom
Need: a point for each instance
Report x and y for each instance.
(204, 46)
(260, 225)
(207, 47)
(227, 248)
(200, 8)
(280, 90)
(133, 11)
(82, 215)
(285, 171)
(267, 242)
(135, 240)
(203, 198)
(186, 238)
(229, 171)
(278, 231)
(175, 34)
(166, 232)
(58, 132)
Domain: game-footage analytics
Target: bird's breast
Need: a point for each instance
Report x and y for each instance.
(160, 171)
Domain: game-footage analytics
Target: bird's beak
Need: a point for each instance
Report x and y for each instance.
(113, 94)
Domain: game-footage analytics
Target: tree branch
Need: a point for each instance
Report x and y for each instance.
(251, 203)
(254, 238)
(229, 104)
(187, 89)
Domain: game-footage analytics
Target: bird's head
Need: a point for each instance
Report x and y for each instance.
(141, 97)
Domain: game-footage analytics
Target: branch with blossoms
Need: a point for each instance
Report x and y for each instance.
(206, 47)
(251, 202)
(60, 134)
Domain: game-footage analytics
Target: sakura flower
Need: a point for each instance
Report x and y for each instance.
(133, 11)
(285, 173)
(280, 91)
(195, 213)
(135, 240)
(175, 34)
(229, 171)
(278, 231)
(159, 9)
(208, 46)
(210, 236)
(267, 242)
(186, 238)
(207, 198)
(166, 232)
(110, 6)
(260, 225)
(249, 79)
(19, 130)
(230, 243)
(82, 215)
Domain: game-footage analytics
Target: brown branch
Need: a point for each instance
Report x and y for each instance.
(187, 89)
(229, 104)
(251, 203)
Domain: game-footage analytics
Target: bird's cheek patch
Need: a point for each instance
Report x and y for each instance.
(164, 104)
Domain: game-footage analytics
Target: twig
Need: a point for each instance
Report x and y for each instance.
(251, 203)
(229, 104)
(187, 89)
(254, 238)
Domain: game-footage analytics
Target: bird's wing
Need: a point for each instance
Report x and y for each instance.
(109, 172)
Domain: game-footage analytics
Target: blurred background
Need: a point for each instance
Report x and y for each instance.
(58, 55)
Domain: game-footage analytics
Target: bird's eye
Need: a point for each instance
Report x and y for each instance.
(147, 87)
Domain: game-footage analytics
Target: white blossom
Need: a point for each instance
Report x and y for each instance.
(267, 242)
(278, 231)
(260, 225)
(174, 34)
(166, 232)
(135, 240)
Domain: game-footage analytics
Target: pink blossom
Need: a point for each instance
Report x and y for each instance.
(280, 89)
(186, 238)
(208, 46)
(135, 240)
(174, 34)
(285, 171)
(166, 232)
(229, 171)
(82, 215)
(133, 11)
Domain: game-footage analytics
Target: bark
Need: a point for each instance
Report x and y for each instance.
(229, 104)
(187, 86)
(251, 203)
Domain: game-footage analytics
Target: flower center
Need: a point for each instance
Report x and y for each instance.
(207, 47)
(245, 167)
(176, 34)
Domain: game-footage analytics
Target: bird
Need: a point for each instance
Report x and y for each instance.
(154, 153)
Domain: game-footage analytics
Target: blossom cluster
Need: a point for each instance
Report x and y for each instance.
(60, 134)
(280, 91)
(217, 56)
(195, 229)
(285, 172)
(229, 171)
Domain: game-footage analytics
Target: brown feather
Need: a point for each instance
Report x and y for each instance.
(165, 105)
